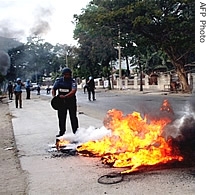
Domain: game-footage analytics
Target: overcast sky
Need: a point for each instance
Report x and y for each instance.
(50, 19)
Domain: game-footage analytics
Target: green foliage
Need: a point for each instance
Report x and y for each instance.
(166, 26)
(96, 48)
(36, 59)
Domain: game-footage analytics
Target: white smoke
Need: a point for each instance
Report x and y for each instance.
(84, 135)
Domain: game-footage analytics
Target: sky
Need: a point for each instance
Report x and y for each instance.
(49, 19)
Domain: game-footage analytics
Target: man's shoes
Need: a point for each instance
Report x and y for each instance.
(94, 99)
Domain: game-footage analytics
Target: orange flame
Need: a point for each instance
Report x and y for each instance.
(61, 142)
(166, 106)
(134, 142)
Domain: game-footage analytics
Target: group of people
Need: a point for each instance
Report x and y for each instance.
(64, 99)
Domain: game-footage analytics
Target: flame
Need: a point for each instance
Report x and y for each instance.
(166, 106)
(61, 142)
(134, 141)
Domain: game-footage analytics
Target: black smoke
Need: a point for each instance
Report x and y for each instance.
(4, 63)
(182, 134)
(41, 25)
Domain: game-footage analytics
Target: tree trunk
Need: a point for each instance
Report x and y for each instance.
(127, 65)
(179, 63)
(183, 78)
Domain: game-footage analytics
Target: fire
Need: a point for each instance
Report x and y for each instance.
(166, 107)
(61, 142)
(134, 141)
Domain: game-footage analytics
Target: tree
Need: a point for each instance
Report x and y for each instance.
(95, 42)
(36, 59)
(168, 25)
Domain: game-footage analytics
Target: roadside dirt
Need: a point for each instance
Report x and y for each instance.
(13, 180)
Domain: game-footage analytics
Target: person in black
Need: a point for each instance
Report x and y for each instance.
(28, 89)
(85, 87)
(48, 89)
(66, 87)
(38, 89)
(10, 90)
(91, 88)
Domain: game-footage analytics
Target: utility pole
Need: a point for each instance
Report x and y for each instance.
(141, 74)
(119, 56)
(66, 58)
(67, 65)
(36, 77)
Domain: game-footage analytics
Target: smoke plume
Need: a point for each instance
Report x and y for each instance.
(4, 62)
(41, 25)
(183, 127)
(7, 30)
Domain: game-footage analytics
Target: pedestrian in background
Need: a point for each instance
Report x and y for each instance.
(48, 89)
(38, 89)
(10, 90)
(18, 92)
(66, 87)
(28, 89)
(85, 87)
(91, 88)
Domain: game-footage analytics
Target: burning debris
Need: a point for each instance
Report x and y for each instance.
(68, 143)
(131, 141)
(166, 107)
(61, 143)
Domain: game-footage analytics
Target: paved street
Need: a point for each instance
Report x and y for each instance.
(52, 172)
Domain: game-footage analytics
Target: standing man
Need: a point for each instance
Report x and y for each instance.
(18, 92)
(28, 89)
(38, 89)
(66, 87)
(10, 90)
(91, 88)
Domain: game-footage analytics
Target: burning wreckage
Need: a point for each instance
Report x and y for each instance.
(133, 142)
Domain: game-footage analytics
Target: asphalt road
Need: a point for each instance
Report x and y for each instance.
(129, 101)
